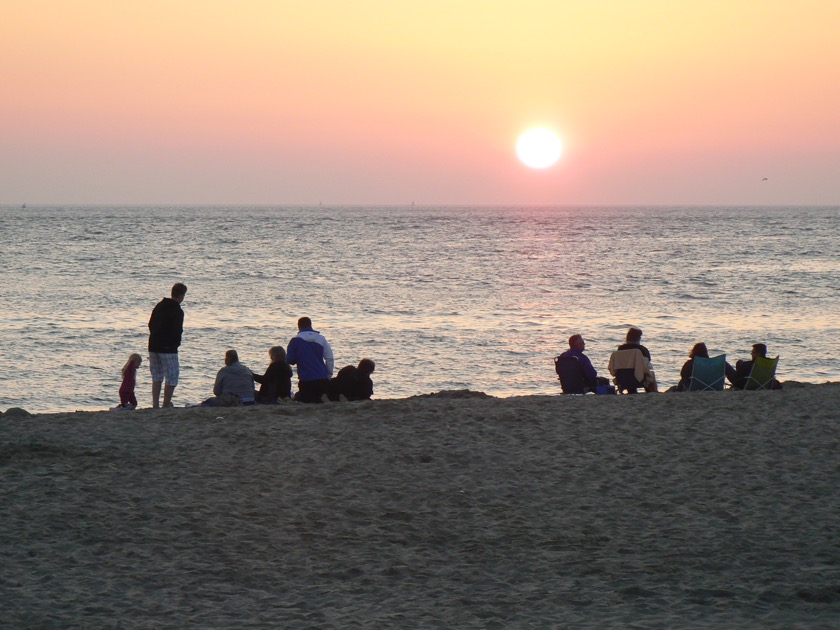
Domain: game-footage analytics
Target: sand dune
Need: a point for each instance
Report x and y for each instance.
(452, 510)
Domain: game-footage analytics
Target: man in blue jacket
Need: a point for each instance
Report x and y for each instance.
(576, 347)
(312, 355)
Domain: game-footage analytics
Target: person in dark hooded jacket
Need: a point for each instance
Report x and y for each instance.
(166, 325)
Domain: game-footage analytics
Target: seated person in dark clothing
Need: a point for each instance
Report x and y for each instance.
(699, 350)
(633, 341)
(353, 382)
(744, 368)
(276, 383)
(590, 376)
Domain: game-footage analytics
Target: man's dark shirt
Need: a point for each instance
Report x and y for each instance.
(166, 326)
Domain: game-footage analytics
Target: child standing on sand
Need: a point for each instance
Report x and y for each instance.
(129, 373)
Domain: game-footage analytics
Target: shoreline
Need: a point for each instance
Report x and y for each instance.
(460, 394)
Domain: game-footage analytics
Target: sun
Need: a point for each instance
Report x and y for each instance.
(538, 148)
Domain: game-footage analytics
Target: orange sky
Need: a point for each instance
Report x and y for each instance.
(388, 102)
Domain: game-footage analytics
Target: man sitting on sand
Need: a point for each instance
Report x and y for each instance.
(234, 384)
(744, 368)
(352, 382)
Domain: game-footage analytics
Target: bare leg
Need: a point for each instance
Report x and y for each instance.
(156, 394)
(168, 390)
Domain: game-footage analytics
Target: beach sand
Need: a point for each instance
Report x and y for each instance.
(452, 510)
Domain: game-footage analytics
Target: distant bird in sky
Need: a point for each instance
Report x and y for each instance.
(764, 180)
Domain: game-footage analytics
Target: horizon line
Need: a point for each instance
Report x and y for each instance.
(27, 205)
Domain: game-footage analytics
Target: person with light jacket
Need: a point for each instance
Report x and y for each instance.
(311, 353)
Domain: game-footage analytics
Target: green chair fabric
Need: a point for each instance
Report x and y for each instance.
(762, 374)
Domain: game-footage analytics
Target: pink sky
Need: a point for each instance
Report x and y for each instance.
(389, 102)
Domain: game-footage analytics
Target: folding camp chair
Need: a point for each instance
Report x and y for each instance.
(571, 375)
(629, 368)
(707, 374)
(762, 374)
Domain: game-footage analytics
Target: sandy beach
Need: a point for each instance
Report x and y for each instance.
(450, 510)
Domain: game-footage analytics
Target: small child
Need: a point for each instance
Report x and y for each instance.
(129, 372)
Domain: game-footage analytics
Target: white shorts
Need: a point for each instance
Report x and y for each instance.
(164, 365)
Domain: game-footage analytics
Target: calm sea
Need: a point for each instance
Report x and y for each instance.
(441, 298)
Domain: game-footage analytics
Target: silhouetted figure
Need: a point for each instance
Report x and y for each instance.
(353, 382)
(276, 383)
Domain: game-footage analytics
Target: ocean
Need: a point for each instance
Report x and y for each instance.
(442, 298)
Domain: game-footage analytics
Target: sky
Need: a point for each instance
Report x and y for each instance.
(381, 102)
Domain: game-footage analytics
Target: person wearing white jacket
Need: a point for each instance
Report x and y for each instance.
(311, 353)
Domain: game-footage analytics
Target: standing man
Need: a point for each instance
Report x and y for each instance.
(165, 328)
(312, 355)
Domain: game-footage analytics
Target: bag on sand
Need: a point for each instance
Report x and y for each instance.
(604, 387)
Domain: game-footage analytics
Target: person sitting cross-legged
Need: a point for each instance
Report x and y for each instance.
(234, 384)
(276, 383)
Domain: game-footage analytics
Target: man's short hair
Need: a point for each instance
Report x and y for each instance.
(760, 349)
(574, 339)
(366, 366)
(231, 356)
(304, 322)
(179, 289)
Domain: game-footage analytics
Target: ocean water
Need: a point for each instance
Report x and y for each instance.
(440, 297)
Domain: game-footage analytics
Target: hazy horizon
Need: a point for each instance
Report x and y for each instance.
(397, 206)
(271, 102)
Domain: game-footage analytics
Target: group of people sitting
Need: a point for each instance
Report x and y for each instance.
(737, 376)
(631, 368)
(309, 350)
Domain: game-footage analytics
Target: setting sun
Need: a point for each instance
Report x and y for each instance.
(538, 148)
